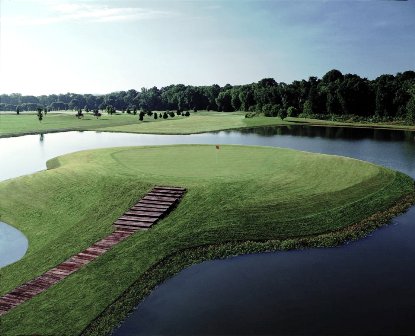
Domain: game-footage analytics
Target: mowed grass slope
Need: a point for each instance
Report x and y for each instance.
(236, 193)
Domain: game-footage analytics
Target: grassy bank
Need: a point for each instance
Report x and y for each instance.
(12, 125)
(235, 194)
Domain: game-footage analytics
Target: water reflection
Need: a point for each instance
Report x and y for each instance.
(344, 133)
(365, 288)
(22, 155)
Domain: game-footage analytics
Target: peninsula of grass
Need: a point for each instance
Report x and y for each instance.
(240, 199)
(199, 122)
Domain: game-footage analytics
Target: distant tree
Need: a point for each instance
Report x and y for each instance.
(311, 106)
(332, 76)
(165, 116)
(246, 97)
(187, 113)
(355, 96)
(307, 108)
(29, 100)
(96, 113)
(17, 110)
(75, 104)
(141, 115)
(171, 114)
(224, 101)
(410, 111)
(79, 114)
(283, 113)
(410, 106)
(58, 106)
(39, 114)
(155, 116)
(333, 105)
(103, 107)
(235, 100)
(270, 110)
(385, 98)
(292, 112)
(110, 109)
(385, 86)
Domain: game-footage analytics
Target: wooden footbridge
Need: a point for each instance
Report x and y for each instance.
(152, 207)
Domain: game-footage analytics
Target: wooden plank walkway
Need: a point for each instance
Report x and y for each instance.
(152, 207)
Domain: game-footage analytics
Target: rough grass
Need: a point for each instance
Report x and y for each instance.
(235, 194)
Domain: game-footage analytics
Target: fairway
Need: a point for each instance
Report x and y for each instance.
(235, 194)
(199, 122)
(28, 123)
(12, 124)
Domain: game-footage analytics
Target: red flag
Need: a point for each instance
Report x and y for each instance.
(217, 146)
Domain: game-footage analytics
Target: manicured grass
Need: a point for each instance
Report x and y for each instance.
(198, 122)
(235, 194)
(11, 124)
(28, 123)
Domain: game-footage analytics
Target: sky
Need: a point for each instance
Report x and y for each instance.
(90, 46)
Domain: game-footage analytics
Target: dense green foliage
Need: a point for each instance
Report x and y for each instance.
(386, 98)
(235, 194)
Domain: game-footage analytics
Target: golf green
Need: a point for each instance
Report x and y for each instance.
(235, 194)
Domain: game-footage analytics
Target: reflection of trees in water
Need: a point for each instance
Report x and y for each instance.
(345, 133)
(409, 150)
(41, 137)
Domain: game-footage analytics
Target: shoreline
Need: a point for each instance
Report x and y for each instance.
(174, 263)
(319, 123)
(121, 308)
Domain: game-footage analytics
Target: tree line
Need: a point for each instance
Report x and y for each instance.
(336, 96)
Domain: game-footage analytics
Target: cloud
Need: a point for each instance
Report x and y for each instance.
(86, 12)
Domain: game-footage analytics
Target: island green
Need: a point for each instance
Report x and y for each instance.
(240, 199)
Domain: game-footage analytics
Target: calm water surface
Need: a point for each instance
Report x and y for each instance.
(13, 244)
(395, 149)
(365, 287)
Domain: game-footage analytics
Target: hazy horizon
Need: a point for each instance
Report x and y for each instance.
(98, 47)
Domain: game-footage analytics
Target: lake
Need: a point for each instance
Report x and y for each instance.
(364, 287)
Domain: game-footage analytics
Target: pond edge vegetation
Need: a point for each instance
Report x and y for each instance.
(119, 310)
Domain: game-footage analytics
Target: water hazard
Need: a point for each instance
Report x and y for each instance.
(365, 287)
(13, 244)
